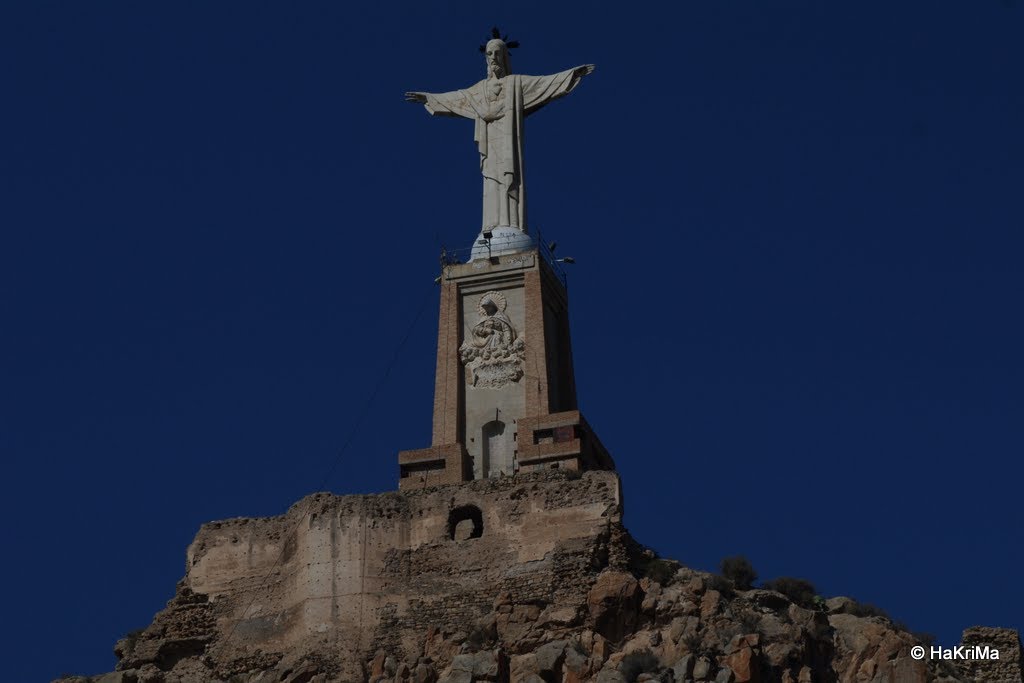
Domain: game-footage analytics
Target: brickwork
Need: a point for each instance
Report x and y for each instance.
(448, 370)
(434, 466)
(563, 440)
(536, 381)
(543, 385)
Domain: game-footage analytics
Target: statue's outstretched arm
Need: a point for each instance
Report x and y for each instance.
(539, 90)
(454, 103)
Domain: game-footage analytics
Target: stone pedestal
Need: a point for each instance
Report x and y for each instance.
(503, 357)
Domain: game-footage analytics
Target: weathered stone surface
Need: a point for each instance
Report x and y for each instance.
(683, 668)
(868, 650)
(480, 665)
(840, 605)
(304, 674)
(526, 605)
(709, 604)
(766, 599)
(614, 603)
(576, 666)
(1009, 665)
(610, 676)
(742, 641)
(424, 673)
(743, 663)
(377, 665)
(457, 676)
(116, 677)
(702, 669)
(549, 658)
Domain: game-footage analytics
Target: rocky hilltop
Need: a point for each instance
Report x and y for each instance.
(530, 578)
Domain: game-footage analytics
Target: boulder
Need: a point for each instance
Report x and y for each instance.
(767, 600)
(480, 665)
(613, 604)
(424, 672)
(871, 651)
(683, 627)
(840, 605)
(115, 677)
(742, 641)
(683, 669)
(709, 604)
(576, 666)
(304, 674)
(377, 664)
(744, 664)
(522, 666)
(610, 676)
(549, 658)
(457, 677)
(701, 669)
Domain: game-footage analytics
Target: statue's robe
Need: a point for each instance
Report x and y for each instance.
(498, 106)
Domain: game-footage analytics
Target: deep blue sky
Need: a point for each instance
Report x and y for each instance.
(796, 310)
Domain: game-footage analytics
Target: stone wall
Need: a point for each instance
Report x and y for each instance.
(345, 576)
(525, 579)
(1006, 668)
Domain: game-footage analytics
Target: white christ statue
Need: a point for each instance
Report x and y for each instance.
(497, 105)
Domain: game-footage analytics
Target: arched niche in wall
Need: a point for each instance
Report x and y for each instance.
(465, 522)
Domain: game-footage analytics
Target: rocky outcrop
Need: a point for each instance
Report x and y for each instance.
(545, 586)
(978, 642)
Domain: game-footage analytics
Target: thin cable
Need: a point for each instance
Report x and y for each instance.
(334, 465)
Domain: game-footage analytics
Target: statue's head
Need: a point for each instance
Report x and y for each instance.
(496, 54)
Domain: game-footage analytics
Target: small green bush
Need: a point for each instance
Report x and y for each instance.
(866, 609)
(662, 571)
(800, 591)
(926, 639)
(649, 564)
(636, 663)
(719, 583)
(738, 570)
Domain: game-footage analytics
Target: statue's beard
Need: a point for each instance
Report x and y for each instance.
(497, 70)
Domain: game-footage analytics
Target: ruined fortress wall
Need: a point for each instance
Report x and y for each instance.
(353, 573)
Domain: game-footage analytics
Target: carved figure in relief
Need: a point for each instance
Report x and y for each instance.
(498, 104)
(494, 353)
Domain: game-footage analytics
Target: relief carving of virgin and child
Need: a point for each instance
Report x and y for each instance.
(494, 353)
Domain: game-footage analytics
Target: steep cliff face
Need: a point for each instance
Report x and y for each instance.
(527, 578)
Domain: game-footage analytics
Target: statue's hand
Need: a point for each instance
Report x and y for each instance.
(414, 96)
(585, 70)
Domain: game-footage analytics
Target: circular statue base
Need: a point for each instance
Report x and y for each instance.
(504, 240)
